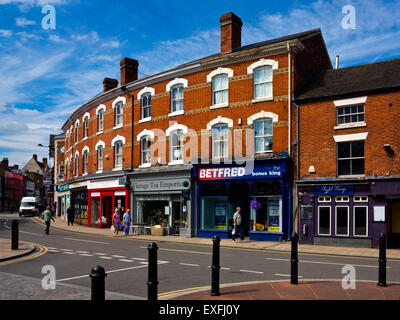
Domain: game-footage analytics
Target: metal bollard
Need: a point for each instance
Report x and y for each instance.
(152, 282)
(14, 234)
(98, 276)
(215, 267)
(382, 260)
(294, 260)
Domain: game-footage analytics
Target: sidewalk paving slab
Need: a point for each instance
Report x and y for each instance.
(24, 248)
(284, 246)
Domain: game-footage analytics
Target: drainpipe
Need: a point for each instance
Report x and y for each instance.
(289, 99)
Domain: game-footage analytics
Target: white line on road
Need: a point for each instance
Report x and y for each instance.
(189, 264)
(86, 255)
(285, 275)
(83, 251)
(250, 271)
(125, 260)
(222, 268)
(104, 257)
(198, 252)
(66, 249)
(67, 252)
(50, 250)
(330, 263)
(34, 234)
(115, 256)
(99, 254)
(86, 240)
(141, 259)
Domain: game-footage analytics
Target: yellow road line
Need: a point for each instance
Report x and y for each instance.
(42, 251)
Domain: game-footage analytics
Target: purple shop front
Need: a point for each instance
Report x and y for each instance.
(350, 213)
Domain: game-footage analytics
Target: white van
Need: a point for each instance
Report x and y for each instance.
(29, 206)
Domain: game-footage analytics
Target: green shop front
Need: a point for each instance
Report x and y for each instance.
(261, 188)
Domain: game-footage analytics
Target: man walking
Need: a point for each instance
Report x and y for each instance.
(237, 225)
(70, 215)
(127, 221)
(47, 217)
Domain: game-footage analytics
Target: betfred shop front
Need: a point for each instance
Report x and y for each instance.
(261, 188)
(104, 198)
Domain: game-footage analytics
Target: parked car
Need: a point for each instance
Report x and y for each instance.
(29, 206)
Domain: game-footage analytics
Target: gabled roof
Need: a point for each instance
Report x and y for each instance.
(352, 81)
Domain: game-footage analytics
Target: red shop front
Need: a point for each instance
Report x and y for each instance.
(103, 203)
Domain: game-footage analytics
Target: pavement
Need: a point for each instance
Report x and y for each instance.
(24, 248)
(261, 290)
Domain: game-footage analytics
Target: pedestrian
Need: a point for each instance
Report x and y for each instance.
(116, 221)
(47, 217)
(53, 209)
(70, 215)
(237, 225)
(127, 221)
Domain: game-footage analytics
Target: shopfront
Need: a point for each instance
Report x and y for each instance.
(162, 198)
(349, 213)
(261, 188)
(79, 202)
(62, 196)
(105, 197)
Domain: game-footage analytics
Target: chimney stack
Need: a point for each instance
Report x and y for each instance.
(129, 70)
(4, 163)
(109, 84)
(34, 157)
(16, 167)
(231, 32)
(44, 161)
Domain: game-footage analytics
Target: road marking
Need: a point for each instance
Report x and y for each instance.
(66, 249)
(86, 240)
(67, 252)
(104, 257)
(189, 264)
(329, 263)
(115, 256)
(141, 259)
(86, 255)
(34, 234)
(83, 251)
(285, 275)
(145, 263)
(250, 271)
(52, 250)
(222, 268)
(99, 254)
(125, 260)
(176, 250)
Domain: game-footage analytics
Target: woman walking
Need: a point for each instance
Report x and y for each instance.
(116, 220)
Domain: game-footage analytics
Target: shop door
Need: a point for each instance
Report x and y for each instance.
(394, 227)
(176, 210)
(106, 211)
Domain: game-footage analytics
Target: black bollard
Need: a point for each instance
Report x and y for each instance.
(294, 260)
(215, 267)
(152, 282)
(14, 235)
(382, 260)
(98, 276)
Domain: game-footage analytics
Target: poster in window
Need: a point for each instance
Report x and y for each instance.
(273, 215)
(220, 215)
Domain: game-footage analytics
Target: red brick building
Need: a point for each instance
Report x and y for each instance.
(143, 143)
(349, 164)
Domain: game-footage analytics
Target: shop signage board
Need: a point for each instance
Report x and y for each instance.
(62, 188)
(334, 190)
(245, 172)
(160, 185)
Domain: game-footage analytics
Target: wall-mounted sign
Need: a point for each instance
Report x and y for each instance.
(160, 185)
(334, 190)
(247, 172)
(62, 188)
(120, 193)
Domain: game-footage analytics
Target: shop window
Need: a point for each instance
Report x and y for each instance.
(324, 199)
(266, 214)
(266, 188)
(324, 220)
(342, 199)
(95, 212)
(342, 221)
(360, 199)
(220, 141)
(263, 135)
(118, 154)
(177, 98)
(350, 158)
(361, 221)
(154, 213)
(262, 78)
(80, 205)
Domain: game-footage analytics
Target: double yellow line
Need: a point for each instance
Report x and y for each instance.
(42, 251)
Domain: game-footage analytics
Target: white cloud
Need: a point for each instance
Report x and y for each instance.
(111, 44)
(92, 36)
(22, 22)
(6, 33)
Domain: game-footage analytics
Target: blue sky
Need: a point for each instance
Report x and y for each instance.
(46, 74)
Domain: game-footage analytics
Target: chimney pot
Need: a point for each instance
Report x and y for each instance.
(129, 70)
(231, 32)
(4, 163)
(109, 84)
(16, 167)
(44, 161)
(34, 157)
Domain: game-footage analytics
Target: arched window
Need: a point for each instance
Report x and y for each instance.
(176, 145)
(146, 106)
(76, 165)
(262, 79)
(220, 89)
(100, 158)
(219, 136)
(263, 132)
(118, 146)
(71, 137)
(145, 148)
(76, 132)
(100, 120)
(177, 98)
(119, 108)
(85, 161)
(85, 127)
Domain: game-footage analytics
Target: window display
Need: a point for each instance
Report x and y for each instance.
(266, 214)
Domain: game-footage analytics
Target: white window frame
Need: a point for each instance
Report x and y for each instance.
(142, 107)
(340, 199)
(225, 103)
(330, 221)
(170, 85)
(85, 127)
(172, 147)
(101, 108)
(76, 132)
(142, 151)
(180, 111)
(270, 97)
(121, 155)
(258, 64)
(100, 168)
(118, 117)
(85, 157)
(263, 137)
(220, 141)
(324, 199)
(360, 200)
(76, 164)
(348, 221)
(354, 221)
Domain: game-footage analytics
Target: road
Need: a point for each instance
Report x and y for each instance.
(181, 266)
